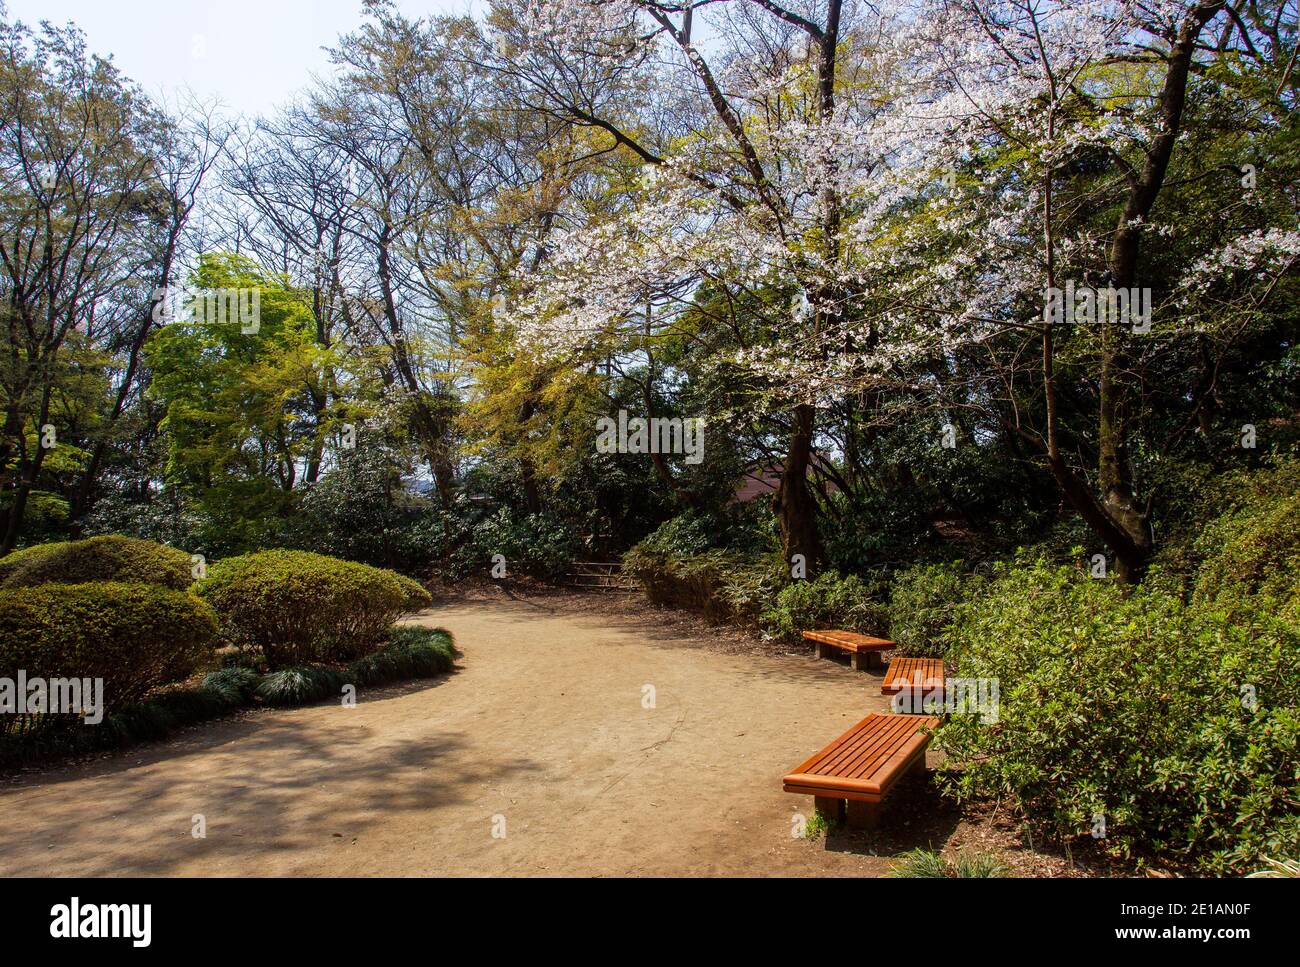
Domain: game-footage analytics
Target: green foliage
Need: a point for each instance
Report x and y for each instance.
(818, 826)
(300, 685)
(136, 637)
(931, 864)
(244, 409)
(361, 511)
(978, 866)
(1136, 708)
(296, 607)
(234, 658)
(412, 652)
(1277, 869)
(1251, 553)
(920, 864)
(536, 544)
(831, 600)
(921, 604)
(233, 685)
(738, 529)
(107, 558)
(721, 586)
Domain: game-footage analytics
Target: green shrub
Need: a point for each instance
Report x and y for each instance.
(136, 637)
(412, 652)
(831, 600)
(297, 608)
(921, 604)
(240, 659)
(684, 535)
(1251, 553)
(108, 558)
(233, 685)
(927, 864)
(536, 544)
(738, 528)
(721, 586)
(1132, 708)
(1277, 870)
(301, 685)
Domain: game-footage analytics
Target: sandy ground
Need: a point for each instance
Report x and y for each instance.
(541, 732)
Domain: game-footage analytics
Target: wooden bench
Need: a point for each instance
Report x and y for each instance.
(859, 647)
(925, 674)
(856, 772)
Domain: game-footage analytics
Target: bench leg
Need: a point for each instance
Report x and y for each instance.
(832, 809)
(819, 649)
(875, 660)
(860, 660)
(863, 815)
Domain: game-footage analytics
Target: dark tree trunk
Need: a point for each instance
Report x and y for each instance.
(794, 503)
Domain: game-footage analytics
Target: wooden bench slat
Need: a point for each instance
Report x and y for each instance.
(855, 759)
(849, 640)
(909, 673)
(865, 761)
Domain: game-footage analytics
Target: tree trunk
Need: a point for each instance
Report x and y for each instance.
(793, 503)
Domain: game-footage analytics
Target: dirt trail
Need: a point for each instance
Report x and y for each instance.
(543, 724)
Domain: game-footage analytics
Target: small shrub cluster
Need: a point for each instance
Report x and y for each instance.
(742, 529)
(1175, 726)
(722, 587)
(410, 653)
(758, 592)
(831, 600)
(234, 685)
(922, 602)
(126, 560)
(295, 607)
(931, 864)
(1251, 553)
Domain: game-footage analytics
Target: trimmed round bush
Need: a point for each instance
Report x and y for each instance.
(297, 607)
(136, 637)
(127, 560)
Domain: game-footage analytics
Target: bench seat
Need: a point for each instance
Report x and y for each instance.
(864, 650)
(925, 674)
(857, 771)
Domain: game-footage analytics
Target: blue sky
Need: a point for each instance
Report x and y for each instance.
(252, 54)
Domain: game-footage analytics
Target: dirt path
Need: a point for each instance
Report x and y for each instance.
(542, 725)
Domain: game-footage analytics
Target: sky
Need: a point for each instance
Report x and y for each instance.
(252, 55)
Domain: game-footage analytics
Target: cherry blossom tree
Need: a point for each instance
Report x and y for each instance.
(755, 126)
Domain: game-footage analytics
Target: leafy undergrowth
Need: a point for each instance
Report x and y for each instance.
(411, 653)
(930, 864)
